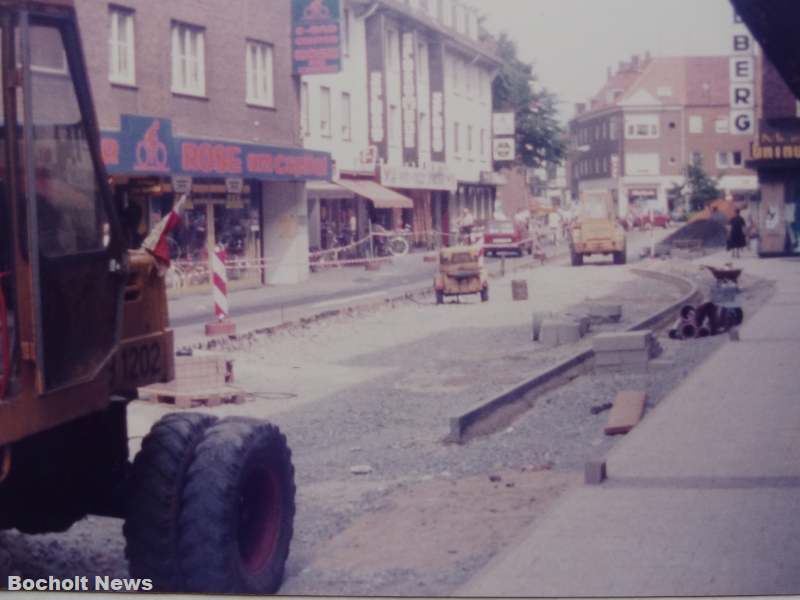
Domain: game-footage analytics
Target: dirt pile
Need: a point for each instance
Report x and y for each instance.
(712, 233)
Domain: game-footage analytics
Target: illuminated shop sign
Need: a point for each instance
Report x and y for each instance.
(316, 37)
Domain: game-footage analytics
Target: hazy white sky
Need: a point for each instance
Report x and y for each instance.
(572, 42)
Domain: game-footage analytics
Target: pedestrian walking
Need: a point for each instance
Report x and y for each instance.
(465, 224)
(737, 239)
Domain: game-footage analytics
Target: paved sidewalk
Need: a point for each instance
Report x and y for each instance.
(703, 496)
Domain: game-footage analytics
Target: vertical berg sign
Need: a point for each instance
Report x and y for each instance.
(316, 37)
(742, 80)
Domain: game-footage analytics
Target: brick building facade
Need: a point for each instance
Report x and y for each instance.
(653, 117)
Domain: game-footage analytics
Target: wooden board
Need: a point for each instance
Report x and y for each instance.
(626, 412)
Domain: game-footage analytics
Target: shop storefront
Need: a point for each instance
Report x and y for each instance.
(428, 189)
(230, 188)
(776, 157)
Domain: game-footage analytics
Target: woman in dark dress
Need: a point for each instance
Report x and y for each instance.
(737, 239)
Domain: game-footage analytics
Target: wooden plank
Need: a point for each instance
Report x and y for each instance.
(626, 412)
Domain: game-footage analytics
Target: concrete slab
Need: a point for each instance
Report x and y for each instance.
(608, 542)
(723, 420)
(623, 340)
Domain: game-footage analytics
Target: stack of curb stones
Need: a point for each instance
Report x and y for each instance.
(552, 330)
(625, 350)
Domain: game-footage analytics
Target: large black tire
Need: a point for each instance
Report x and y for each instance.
(577, 259)
(238, 510)
(439, 297)
(157, 482)
(620, 257)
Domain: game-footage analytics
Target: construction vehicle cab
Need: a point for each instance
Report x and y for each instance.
(596, 229)
(83, 324)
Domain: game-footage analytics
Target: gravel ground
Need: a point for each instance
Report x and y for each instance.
(376, 389)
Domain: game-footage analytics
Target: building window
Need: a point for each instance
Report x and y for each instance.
(483, 143)
(641, 126)
(664, 91)
(347, 129)
(325, 111)
(726, 160)
(188, 60)
(394, 126)
(305, 121)
(695, 124)
(454, 15)
(122, 63)
(613, 126)
(259, 68)
(346, 32)
(440, 10)
(696, 158)
(722, 125)
(469, 140)
(456, 140)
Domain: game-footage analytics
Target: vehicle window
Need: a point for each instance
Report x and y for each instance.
(594, 208)
(71, 216)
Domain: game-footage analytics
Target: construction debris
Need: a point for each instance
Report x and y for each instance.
(704, 320)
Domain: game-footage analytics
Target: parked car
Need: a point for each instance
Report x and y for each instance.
(506, 236)
(659, 220)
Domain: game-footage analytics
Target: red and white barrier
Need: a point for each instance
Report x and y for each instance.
(219, 286)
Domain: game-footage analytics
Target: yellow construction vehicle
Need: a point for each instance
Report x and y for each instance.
(596, 229)
(208, 503)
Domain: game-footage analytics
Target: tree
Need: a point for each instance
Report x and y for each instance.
(698, 186)
(540, 138)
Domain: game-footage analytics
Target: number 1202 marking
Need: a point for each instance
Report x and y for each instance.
(139, 362)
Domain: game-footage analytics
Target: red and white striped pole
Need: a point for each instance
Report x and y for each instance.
(219, 286)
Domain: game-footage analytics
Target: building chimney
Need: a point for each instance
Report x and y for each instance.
(623, 66)
(580, 108)
(635, 62)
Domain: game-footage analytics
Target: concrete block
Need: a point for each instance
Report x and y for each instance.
(584, 323)
(555, 332)
(635, 357)
(605, 313)
(595, 472)
(626, 413)
(607, 359)
(548, 334)
(626, 340)
(569, 332)
(538, 317)
(660, 364)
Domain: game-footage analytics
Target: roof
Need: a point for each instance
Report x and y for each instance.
(665, 81)
(380, 196)
(775, 24)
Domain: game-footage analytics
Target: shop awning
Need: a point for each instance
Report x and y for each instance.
(380, 196)
(327, 190)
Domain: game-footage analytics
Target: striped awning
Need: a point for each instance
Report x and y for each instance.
(326, 190)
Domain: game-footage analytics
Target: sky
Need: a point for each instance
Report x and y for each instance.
(572, 42)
